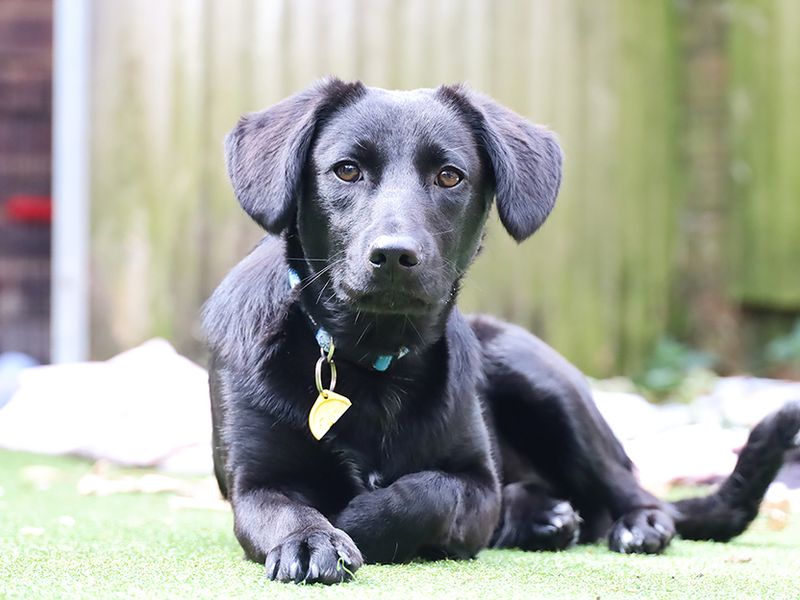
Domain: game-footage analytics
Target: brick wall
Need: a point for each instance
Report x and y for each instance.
(25, 82)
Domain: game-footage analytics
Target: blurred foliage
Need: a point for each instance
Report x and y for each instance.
(676, 372)
(784, 351)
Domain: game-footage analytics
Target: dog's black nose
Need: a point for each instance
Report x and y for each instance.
(393, 250)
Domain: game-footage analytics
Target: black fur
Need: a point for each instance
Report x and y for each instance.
(481, 434)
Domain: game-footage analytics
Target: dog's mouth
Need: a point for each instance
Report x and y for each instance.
(387, 301)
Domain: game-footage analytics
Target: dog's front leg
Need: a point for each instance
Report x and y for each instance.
(294, 541)
(426, 513)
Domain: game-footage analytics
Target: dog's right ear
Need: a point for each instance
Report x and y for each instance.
(266, 152)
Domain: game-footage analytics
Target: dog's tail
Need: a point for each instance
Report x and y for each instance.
(727, 512)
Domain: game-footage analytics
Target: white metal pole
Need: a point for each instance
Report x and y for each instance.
(69, 312)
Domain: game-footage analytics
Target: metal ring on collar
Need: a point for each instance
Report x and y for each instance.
(318, 373)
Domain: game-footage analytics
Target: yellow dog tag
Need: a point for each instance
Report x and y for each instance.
(328, 409)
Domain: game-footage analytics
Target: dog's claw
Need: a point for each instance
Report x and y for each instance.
(294, 569)
(271, 566)
(313, 572)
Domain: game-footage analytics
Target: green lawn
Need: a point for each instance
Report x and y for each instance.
(55, 543)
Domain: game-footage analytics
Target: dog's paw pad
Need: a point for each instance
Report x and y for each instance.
(644, 531)
(315, 556)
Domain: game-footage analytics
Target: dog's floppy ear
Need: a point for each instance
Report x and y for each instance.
(525, 159)
(267, 151)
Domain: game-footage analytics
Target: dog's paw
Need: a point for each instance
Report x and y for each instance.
(555, 527)
(642, 531)
(314, 556)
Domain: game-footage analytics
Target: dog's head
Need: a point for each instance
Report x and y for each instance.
(384, 196)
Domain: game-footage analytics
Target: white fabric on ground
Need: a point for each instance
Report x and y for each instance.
(148, 406)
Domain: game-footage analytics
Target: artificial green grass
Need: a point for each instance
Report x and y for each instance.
(55, 543)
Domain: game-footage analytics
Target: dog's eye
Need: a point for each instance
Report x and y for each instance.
(348, 172)
(448, 177)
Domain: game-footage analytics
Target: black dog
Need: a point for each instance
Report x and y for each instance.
(461, 432)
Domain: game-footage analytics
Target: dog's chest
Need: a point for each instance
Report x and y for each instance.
(364, 472)
(365, 440)
(370, 454)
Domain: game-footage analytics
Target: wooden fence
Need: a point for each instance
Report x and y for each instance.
(603, 279)
(765, 159)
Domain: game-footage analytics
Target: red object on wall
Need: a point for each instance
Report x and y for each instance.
(25, 207)
(29, 209)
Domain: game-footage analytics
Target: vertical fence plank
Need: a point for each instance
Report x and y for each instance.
(148, 167)
(340, 52)
(765, 62)
(648, 170)
(242, 70)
